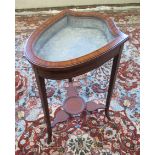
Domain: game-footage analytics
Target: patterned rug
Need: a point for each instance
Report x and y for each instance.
(94, 135)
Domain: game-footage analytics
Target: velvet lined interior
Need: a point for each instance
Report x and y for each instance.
(72, 37)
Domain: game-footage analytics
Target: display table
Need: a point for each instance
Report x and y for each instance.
(70, 44)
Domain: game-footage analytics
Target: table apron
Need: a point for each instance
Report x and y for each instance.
(78, 69)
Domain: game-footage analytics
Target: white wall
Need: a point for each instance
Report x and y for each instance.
(25, 4)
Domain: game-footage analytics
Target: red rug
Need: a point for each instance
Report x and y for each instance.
(87, 134)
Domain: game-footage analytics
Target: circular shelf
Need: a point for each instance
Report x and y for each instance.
(74, 105)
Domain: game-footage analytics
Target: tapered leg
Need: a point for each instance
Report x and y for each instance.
(43, 97)
(115, 65)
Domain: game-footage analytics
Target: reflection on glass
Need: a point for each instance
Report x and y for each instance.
(72, 37)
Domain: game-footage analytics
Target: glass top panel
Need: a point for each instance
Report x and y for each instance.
(72, 37)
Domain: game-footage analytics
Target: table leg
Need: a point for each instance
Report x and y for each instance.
(70, 80)
(115, 65)
(43, 96)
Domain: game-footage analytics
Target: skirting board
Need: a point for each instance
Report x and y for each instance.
(27, 4)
